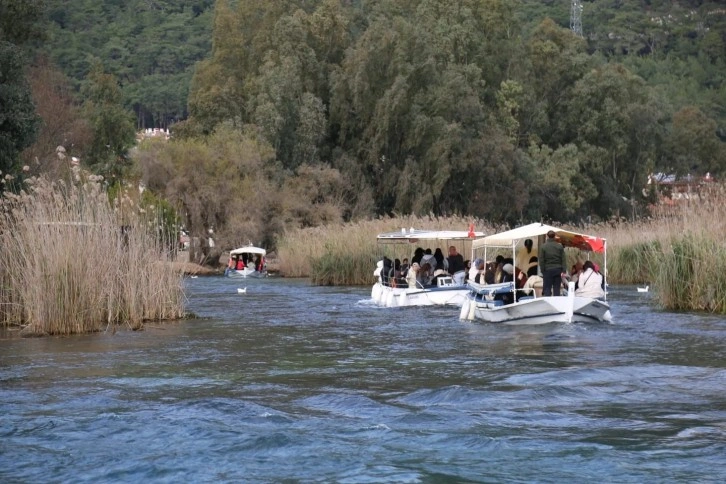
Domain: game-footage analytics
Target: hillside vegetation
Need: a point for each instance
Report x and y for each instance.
(297, 113)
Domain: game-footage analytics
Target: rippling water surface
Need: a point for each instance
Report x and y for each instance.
(295, 383)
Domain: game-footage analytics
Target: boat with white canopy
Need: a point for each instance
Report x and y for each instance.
(485, 301)
(448, 289)
(248, 261)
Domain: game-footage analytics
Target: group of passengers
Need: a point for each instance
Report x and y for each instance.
(425, 269)
(245, 260)
(543, 273)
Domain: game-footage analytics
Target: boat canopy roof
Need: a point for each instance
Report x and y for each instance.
(248, 250)
(412, 235)
(567, 238)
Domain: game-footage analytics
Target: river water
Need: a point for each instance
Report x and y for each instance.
(294, 383)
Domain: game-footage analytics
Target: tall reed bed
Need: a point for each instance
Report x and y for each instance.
(682, 256)
(70, 262)
(347, 254)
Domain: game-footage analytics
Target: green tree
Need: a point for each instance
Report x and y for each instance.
(111, 124)
(614, 110)
(19, 24)
(18, 121)
(694, 145)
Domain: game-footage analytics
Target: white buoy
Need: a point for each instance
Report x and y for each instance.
(472, 310)
(241, 290)
(643, 289)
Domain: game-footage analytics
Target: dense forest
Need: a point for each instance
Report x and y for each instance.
(300, 112)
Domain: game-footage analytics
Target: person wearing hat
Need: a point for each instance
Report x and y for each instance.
(552, 263)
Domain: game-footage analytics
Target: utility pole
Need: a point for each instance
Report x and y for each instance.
(576, 17)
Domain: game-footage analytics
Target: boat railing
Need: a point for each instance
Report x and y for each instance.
(491, 289)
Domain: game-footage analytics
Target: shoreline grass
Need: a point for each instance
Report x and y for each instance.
(681, 256)
(67, 267)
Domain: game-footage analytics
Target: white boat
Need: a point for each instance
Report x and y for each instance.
(448, 290)
(483, 304)
(248, 261)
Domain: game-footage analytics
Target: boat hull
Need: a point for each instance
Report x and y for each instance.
(245, 273)
(386, 296)
(544, 310)
(535, 310)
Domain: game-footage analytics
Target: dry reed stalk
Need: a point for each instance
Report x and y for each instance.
(66, 267)
(346, 254)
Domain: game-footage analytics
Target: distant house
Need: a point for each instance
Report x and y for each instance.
(672, 190)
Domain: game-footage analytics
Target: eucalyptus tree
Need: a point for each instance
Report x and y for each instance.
(410, 99)
(614, 110)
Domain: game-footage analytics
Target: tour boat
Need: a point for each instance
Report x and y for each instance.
(530, 307)
(248, 261)
(448, 290)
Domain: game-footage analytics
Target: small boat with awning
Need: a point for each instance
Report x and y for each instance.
(445, 288)
(247, 261)
(507, 304)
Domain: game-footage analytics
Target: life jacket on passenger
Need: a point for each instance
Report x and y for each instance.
(240, 264)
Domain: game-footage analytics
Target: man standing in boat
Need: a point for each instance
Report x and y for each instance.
(552, 262)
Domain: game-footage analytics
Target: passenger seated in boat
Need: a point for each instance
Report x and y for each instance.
(498, 264)
(425, 274)
(507, 276)
(489, 274)
(441, 263)
(575, 272)
(478, 272)
(474, 270)
(520, 278)
(533, 266)
(428, 258)
(524, 255)
(404, 267)
(438, 273)
(385, 273)
(590, 282)
(417, 255)
(533, 284)
(412, 274)
(395, 275)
